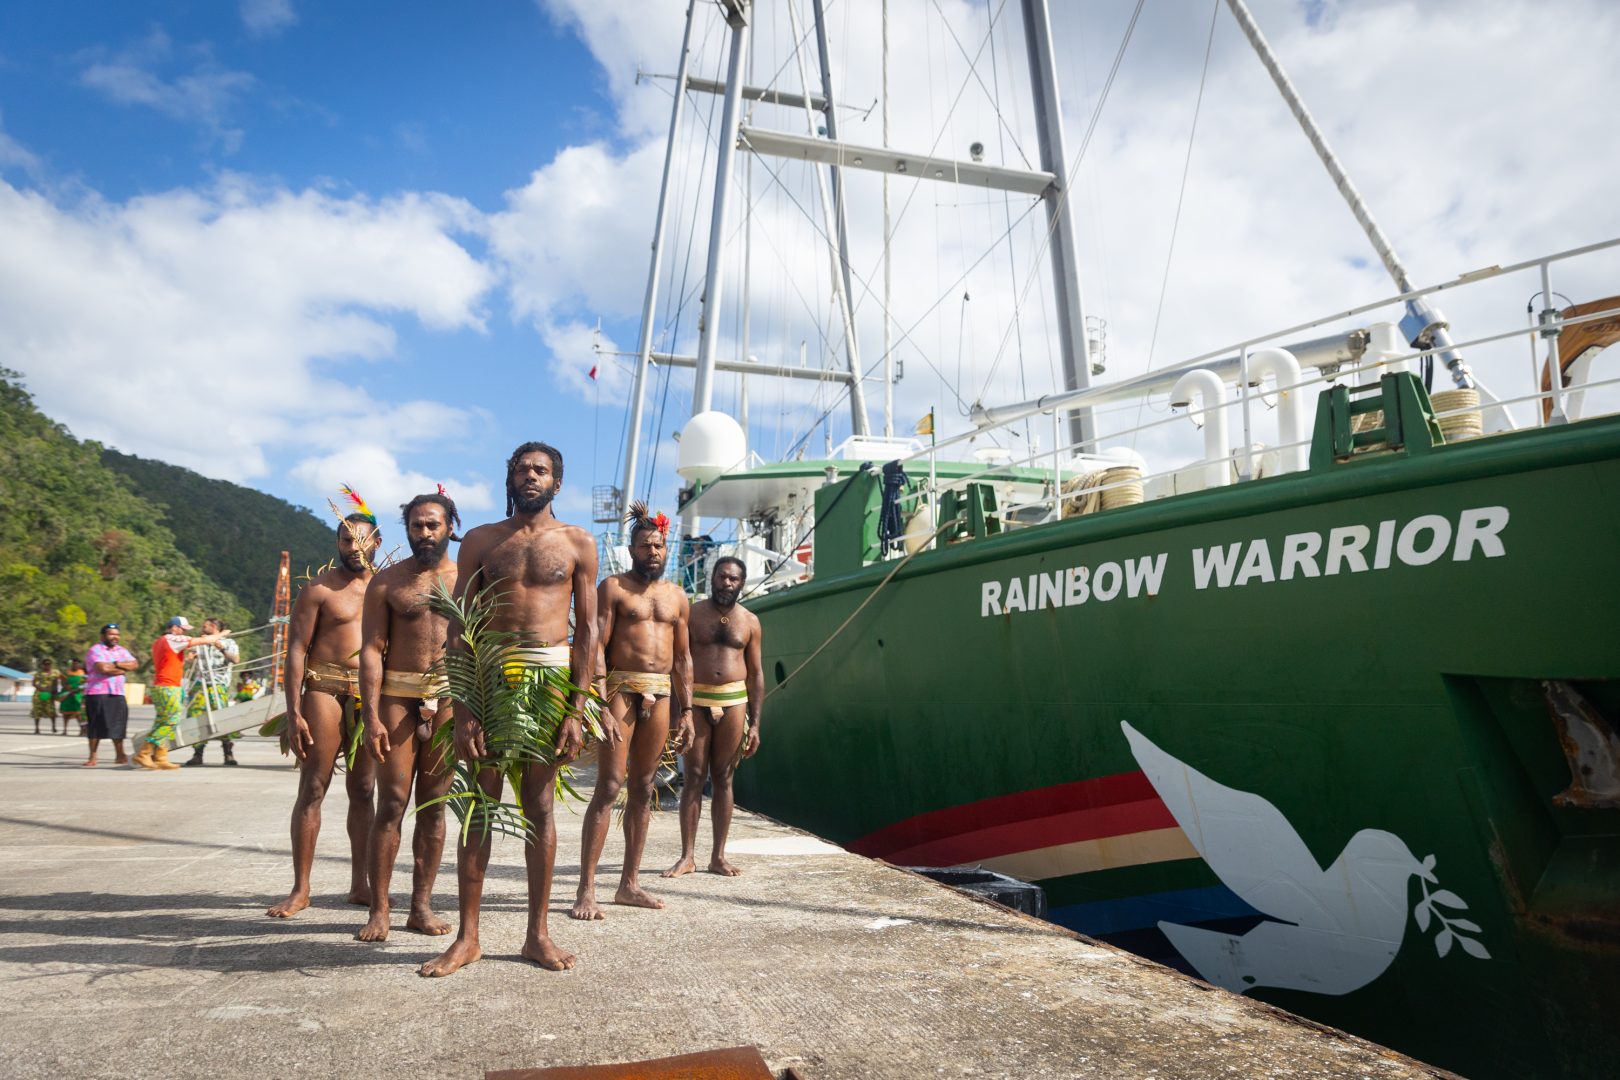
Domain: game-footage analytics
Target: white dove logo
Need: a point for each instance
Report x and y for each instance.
(1338, 929)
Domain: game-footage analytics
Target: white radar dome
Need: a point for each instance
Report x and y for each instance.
(712, 443)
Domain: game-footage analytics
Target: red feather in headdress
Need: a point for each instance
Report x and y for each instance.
(359, 503)
(641, 518)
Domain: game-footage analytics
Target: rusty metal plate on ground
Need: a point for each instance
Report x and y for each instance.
(734, 1063)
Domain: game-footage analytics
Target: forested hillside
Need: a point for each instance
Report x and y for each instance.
(233, 534)
(78, 547)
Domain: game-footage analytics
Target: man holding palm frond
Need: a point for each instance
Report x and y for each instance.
(518, 715)
(648, 665)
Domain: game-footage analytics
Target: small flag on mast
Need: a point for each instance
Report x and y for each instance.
(925, 426)
(593, 371)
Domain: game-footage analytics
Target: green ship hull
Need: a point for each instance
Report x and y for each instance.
(1296, 736)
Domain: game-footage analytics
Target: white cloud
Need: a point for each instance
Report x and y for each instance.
(622, 36)
(375, 472)
(211, 328)
(266, 18)
(577, 235)
(203, 95)
(14, 155)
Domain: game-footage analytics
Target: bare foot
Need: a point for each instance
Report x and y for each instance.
(88, 764)
(545, 953)
(360, 896)
(376, 928)
(636, 896)
(289, 907)
(423, 921)
(460, 953)
(719, 865)
(585, 908)
(683, 865)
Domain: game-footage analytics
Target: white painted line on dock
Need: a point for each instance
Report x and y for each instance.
(782, 845)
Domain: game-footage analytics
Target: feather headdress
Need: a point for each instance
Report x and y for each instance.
(639, 518)
(360, 506)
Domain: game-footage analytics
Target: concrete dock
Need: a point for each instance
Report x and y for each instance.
(133, 943)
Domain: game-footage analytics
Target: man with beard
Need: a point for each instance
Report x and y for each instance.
(543, 569)
(725, 655)
(403, 699)
(644, 644)
(323, 680)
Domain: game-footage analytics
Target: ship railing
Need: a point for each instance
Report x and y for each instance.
(1245, 460)
(1015, 515)
(690, 562)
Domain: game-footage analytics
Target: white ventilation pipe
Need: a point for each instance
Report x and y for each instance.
(1576, 376)
(1205, 388)
(1284, 371)
(1384, 341)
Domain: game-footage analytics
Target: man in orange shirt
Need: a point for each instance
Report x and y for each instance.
(168, 675)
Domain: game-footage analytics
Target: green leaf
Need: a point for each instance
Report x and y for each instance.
(519, 707)
(1473, 948)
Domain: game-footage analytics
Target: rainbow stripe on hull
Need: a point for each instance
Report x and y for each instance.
(1093, 845)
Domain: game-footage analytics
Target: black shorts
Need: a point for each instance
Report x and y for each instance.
(108, 715)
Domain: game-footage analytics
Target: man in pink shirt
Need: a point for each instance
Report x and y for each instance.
(105, 666)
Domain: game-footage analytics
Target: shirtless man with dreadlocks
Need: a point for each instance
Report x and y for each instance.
(405, 701)
(543, 570)
(323, 679)
(648, 665)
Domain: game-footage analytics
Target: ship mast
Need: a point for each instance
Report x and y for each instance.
(638, 390)
(857, 395)
(1424, 326)
(888, 298)
(737, 13)
(1059, 215)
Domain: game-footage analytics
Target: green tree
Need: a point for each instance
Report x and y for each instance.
(80, 548)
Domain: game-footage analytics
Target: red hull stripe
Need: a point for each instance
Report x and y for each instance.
(981, 844)
(1025, 820)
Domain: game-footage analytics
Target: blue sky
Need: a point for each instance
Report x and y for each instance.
(293, 245)
(107, 104)
(374, 96)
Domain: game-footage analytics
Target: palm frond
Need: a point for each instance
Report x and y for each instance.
(519, 706)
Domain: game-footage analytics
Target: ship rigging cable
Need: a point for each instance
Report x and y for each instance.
(1085, 142)
(898, 566)
(1068, 190)
(1181, 197)
(673, 331)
